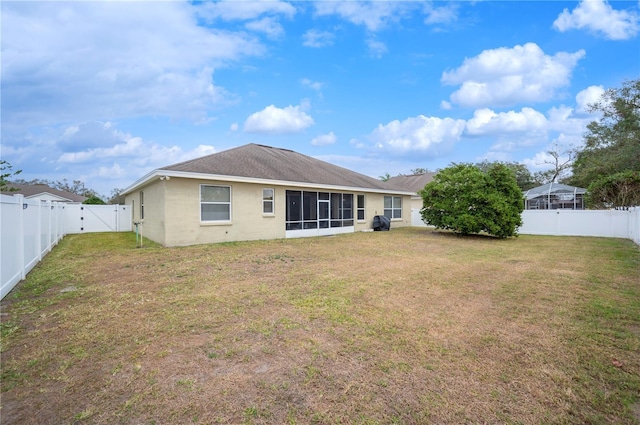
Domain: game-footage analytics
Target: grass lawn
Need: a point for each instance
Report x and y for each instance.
(409, 326)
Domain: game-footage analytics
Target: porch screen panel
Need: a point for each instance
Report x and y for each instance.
(313, 210)
(347, 209)
(336, 210)
(294, 210)
(310, 210)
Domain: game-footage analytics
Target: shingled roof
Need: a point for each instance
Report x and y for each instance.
(266, 162)
(38, 190)
(412, 183)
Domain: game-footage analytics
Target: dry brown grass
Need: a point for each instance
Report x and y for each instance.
(409, 326)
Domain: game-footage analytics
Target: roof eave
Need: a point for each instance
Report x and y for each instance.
(240, 179)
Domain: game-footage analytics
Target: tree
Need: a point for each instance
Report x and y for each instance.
(76, 187)
(6, 171)
(561, 161)
(620, 190)
(419, 170)
(524, 178)
(116, 198)
(93, 200)
(612, 144)
(465, 199)
(385, 177)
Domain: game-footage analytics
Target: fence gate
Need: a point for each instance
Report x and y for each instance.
(98, 218)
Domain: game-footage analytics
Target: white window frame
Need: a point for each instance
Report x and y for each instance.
(358, 208)
(396, 211)
(142, 205)
(215, 203)
(265, 200)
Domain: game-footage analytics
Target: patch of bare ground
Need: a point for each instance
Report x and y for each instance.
(409, 326)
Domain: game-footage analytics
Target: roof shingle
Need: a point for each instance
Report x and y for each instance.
(412, 183)
(266, 162)
(33, 190)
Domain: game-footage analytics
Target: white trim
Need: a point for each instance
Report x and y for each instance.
(264, 182)
(54, 197)
(307, 233)
(273, 202)
(230, 203)
(363, 209)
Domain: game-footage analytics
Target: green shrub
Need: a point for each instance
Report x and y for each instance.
(467, 200)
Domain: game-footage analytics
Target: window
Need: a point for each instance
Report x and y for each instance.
(360, 208)
(267, 201)
(215, 203)
(141, 205)
(393, 207)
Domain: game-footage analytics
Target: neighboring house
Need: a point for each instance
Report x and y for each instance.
(553, 196)
(259, 192)
(43, 192)
(414, 183)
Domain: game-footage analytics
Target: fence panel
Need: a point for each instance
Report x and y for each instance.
(604, 223)
(30, 228)
(634, 225)
(11, 249)
(31, 233)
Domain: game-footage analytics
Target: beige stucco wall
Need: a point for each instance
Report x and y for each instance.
(153, 225)
(172, 212)
(247, 220)
(374, 205)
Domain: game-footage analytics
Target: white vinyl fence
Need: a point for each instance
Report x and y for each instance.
(605, 223)
(30, 228)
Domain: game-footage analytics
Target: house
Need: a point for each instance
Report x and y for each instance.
(44, 193)
(553, 196)
(414, 183)
(259, 192)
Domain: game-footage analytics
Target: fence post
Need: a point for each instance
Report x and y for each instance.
(48, 209)
(39, 227)
(20, 241)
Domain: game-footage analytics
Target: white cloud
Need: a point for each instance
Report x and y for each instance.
(113, 144)
(598, 16)
(313, 85)
(324, 139)
(440, 15)
(315, 38)
(507, 76)
(487, 122)
(268, 26)
(106, 60)
(429, 135)
(562, 127)
(373, 15)
(244, 10)
(273, 120)
(588, 96)
(112, 172)
(97, 153)
(370, 165)
(234, 127)
(377, 49)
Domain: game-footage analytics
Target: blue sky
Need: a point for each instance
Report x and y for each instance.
(105, 92)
